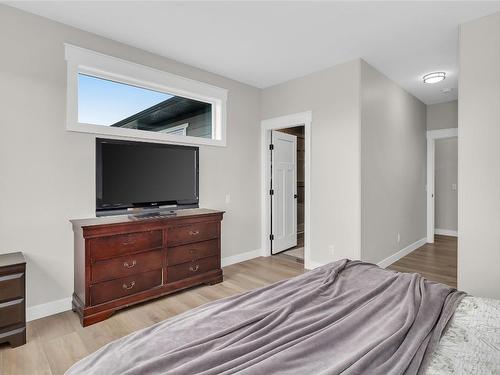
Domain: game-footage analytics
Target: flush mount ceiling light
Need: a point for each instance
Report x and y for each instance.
(434, 77)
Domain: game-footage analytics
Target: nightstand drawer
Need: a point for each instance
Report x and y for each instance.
(190, 233)
(114, 289)
(187, 270)
(121, 244)
(192, 252)
(115, 268)
(11, 286)
(11, 312)
(12, 299)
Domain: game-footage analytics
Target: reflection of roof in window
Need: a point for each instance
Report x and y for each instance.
(161, 115)
(120, 105)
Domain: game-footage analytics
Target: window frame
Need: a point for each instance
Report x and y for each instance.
(81, 60)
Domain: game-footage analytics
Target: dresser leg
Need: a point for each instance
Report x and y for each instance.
(215, 281)
(95, 318)
(18, 339)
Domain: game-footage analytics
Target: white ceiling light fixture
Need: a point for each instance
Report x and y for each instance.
(434, 77)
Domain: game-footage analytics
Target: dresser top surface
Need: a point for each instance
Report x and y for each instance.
(11, 259)
(138, 217)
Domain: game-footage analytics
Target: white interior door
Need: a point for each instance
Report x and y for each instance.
(283, 191)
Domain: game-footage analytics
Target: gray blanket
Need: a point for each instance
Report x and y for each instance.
(346, 317)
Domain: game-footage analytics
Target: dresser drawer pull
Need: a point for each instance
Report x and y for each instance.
(128, 287)
(195, 268)
(129, 242)
(192, 251)
(194, 232)
(131, 265)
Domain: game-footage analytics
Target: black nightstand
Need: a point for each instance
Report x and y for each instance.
(13, 299)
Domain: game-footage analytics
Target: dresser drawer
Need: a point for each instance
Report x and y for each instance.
(190, 233)
(11, 312)
(192, 252)
(11, 286)
(121, 244)
(110, 290)
(127, 265)
(185, 270)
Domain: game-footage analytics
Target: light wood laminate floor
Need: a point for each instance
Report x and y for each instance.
(436, 262)
(58, 341)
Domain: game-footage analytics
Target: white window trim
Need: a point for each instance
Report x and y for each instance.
(81, 60)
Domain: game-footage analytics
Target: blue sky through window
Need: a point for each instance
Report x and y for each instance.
(103, 102)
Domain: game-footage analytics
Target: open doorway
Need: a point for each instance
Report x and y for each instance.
(445, 187)
(437, 260)
(288, 185)
(442, 171)
(286, 150)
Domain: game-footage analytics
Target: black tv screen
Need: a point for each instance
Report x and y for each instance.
(138, 174)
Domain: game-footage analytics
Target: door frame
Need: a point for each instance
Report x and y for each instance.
(432, 135)
(277, 123)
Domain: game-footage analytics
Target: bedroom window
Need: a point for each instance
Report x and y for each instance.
(111, 96)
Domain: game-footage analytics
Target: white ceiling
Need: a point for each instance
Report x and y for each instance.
(263, 44)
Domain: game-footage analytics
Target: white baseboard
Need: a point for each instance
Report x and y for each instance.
(446, 232)
(401, 253)
(312, 265)
(49, 308)
(227, 261)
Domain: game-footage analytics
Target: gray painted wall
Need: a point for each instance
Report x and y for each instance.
(478, 157)
(369, 155)
(54, 168)
(442, 115)
(446, 175)
(333, 97)
(393, 166)
(47, 173)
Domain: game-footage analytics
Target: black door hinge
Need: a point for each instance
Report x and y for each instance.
(271, 237)
(271, 147)
(271, 192)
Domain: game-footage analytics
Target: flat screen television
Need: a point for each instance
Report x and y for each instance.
(139, 174)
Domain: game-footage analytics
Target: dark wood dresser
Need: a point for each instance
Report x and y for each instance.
(123, 260)
(13, 299)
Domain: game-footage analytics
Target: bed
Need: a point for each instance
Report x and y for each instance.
(471, 342)
(346, 317)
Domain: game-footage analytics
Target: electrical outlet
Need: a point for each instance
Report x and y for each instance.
(331, 250)
(228, 198)
(399, 237)
(454, 187)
